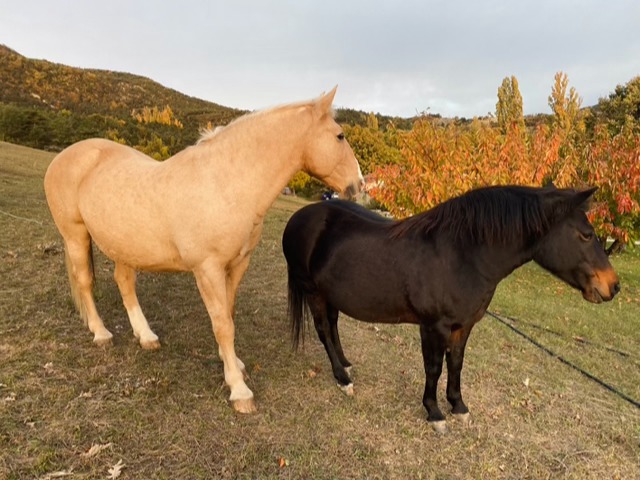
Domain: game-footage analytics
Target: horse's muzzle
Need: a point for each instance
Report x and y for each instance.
(605, 285)
(352, 190)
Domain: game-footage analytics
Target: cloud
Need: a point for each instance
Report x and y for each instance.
(397, 58)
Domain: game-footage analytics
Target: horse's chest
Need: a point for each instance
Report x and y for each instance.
(251, 239)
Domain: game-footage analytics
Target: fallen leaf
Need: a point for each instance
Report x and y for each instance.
(283, 462)
(116, 470)
(95, 449)
(60, 474)
(526, 382)
(10, 398)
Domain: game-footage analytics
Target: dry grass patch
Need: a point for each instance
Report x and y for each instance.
(165, 413)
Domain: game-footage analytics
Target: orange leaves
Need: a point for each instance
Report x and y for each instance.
(442, 161)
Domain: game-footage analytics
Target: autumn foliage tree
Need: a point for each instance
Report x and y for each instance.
(440, 161)
(567, 116)
(509, 107)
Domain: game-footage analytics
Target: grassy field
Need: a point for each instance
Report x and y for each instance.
(164, 414)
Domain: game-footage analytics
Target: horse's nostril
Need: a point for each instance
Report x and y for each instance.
(616, 288)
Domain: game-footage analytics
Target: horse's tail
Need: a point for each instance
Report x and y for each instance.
(74, 284)
(298, 309)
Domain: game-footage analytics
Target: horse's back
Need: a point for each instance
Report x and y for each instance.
(75, 163)
(321, 226)
(345, 253)
(333, 226)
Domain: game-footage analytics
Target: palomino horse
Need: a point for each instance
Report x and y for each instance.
(201, 210)
(438, 269)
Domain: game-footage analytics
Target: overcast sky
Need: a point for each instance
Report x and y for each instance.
(392, 57)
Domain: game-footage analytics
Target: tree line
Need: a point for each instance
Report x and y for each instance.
(414, 163)
(416, 169)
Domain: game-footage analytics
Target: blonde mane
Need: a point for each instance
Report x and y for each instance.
(208, 133)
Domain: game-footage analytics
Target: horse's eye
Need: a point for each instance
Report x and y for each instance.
(586, 237)
(341, 136)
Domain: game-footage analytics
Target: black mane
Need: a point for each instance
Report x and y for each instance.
(496, 215)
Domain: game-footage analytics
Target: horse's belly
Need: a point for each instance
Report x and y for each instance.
(139, 253)
(385, 317)
(373, 308)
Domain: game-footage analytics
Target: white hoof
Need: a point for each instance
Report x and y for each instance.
(464, 418)
(150, 344)
(244, 405)
(439, 426)
(103, 339)
(346, 389)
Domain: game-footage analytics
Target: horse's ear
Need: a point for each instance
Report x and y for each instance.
(582, 198)
(323, 104)
(549, 184)
(558, 203)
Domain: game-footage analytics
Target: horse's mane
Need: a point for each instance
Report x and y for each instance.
(489, 215)
(207, 134)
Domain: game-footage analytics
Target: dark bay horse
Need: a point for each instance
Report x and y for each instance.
(438, 269)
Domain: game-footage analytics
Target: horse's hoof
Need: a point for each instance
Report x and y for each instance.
(439, 426)
(347, 389)
(247, 405)
(464, 418)
(150, 345)
(103, 340)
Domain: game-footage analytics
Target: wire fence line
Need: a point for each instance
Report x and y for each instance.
(507, 322)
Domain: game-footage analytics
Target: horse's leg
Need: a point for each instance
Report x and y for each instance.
(79, 260)
(212, 283)
(319, 307)
(455, 357)
(332, 316)
(433, 348)
(125, 277)
(234, 275)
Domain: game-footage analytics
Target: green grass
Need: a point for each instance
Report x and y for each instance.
(166, 415)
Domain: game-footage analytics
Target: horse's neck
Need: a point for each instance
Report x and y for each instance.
(259, 161)
(499, 261)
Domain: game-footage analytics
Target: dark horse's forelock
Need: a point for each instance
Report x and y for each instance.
(489, 215)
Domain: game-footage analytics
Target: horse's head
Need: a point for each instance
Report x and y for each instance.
(327, 155)
(571, 250)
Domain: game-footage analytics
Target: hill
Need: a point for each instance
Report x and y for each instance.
(49, 105)
(39, 83)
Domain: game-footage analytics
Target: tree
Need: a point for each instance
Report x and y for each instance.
(440, 161)
(371, 146)
(621, 108)
(567, 116)
(154, 147)
(509, 106)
